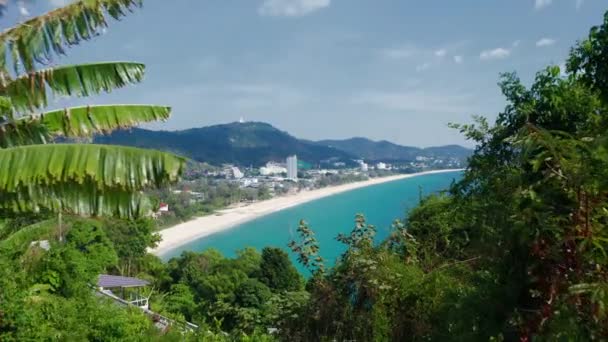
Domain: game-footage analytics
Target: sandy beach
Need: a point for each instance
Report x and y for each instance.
(197, 228)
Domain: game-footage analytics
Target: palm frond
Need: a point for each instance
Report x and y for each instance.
(83, 199)
(99, 166)
(29, 92)
(77, 122)
(38, 39)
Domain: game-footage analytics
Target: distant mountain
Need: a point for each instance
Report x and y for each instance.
(255, 143)
(250, 143)
(387, 151)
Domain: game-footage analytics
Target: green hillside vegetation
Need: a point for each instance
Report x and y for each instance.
(250, 143)
(386, 151)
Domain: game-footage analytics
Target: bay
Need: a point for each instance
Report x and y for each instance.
(327, 217)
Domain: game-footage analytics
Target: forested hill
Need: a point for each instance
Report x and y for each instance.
(255, 143)
(386, 151)
(250, 143)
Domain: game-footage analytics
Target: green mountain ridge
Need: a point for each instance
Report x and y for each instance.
(387, 151)
(255, 143)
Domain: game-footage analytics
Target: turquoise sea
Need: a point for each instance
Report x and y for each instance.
(381, 204)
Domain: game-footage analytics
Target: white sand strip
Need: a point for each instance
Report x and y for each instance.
(197, 228)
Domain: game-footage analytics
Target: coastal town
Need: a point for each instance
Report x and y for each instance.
(206, 188)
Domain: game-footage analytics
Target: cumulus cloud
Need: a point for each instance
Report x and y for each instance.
(545, 42)
(498, 53)
(458, 59)
(540, 4)
(291, 8)
(440, 52)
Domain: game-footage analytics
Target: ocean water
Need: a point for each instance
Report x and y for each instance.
(381, 204)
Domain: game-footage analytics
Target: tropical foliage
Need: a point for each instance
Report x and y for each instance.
(74, 178)
(516, 250)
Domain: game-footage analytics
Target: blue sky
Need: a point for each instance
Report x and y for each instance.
(398, 70)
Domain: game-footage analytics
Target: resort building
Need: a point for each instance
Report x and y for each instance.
(272, 168)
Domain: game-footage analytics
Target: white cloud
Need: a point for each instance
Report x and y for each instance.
(579, 4)
(22, 9)
(545, 42)
(291, 8)
(416, 101)
(440, 52)
(423, 66)
(458, 59)
(498, 53)
(540, 4)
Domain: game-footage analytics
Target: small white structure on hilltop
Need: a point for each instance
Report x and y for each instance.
(292, 167)
(241, 120)
(272, 168)
(381, 166)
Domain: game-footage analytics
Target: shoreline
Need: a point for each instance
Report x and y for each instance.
(183, 233)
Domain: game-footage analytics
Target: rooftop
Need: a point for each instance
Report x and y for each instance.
(110, 281)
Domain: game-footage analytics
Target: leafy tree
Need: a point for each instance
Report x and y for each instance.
(252, 293)
(68, 268)
(131, 239)
(277, 271)
(181, 300)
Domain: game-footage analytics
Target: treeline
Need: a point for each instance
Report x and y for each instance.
(209, 196)
(516, 250)
(48, 295)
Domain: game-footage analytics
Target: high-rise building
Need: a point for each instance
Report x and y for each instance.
(292, 167)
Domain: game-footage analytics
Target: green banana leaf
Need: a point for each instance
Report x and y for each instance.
(38, 39)
(77, 122)
(99, 166)
(31, 91)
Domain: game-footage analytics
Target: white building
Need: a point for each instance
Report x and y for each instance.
(363, 165)
(381, 166)
(252, 182)
(272, 168)
(236, 173)
(292, 167)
